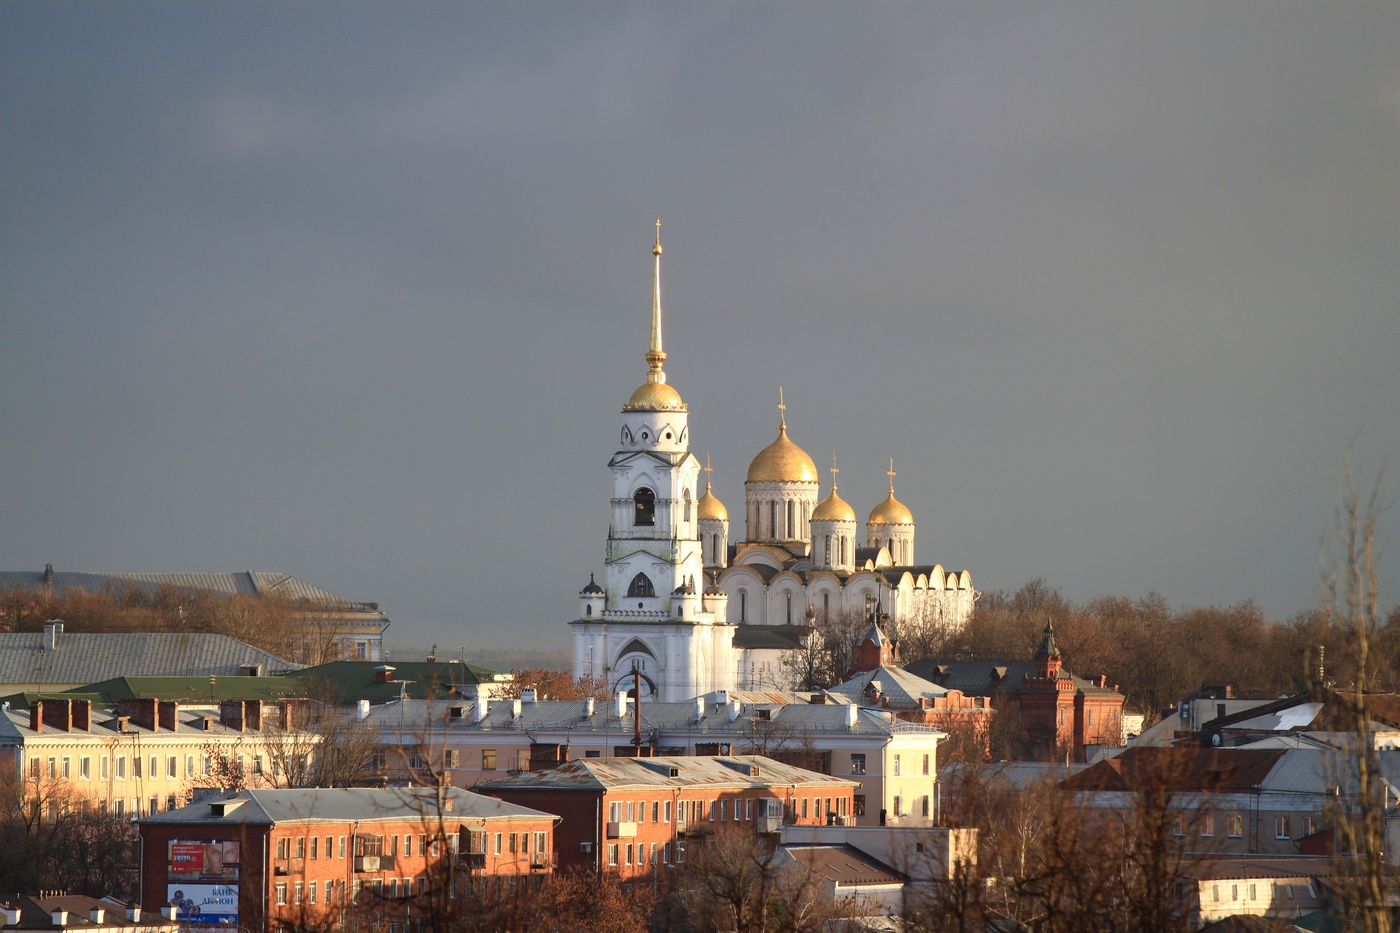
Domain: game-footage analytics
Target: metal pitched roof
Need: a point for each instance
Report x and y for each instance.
(319, 804)
(903, 688)
(91, 657)
(246, 582)
(737, 771)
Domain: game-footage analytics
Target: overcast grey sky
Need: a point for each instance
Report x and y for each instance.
(356, 291)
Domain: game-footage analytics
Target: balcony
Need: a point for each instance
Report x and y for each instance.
(768, 824)
(472, 860)
(374, 863)
(541, 860)
(622, 830)
(288, 866)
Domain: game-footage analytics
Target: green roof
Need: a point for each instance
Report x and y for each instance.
(359, 680)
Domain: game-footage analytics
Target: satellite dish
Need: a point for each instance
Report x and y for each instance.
(1215, 739)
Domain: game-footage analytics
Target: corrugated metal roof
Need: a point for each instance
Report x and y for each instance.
(90, 657)
(903, 688)
(842, 863)
(316, 804)
(248, 582)
(738, 771)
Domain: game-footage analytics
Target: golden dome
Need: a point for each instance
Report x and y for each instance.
(782, 462)
(655, 396)
(710, 507)
(891, 512)
(833, 509)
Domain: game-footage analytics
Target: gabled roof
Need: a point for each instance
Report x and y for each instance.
(903, 688)
(736, 772)
(988, 677)
(251, 582)
(1185, 770)
(207, 690)
(36, 913)
(320, 804)
(91, 657)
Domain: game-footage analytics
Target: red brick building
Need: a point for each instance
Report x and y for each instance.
(638, 815)
(261, 858)
(1058, 710)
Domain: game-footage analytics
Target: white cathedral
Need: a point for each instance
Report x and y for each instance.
(688, 613)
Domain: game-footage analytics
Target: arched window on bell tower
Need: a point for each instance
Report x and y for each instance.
(641, 586)
(644, 507)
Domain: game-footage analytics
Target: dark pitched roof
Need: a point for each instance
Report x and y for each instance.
(1186, 770)
(357, 680)
(843, 863)
(985, 678)
(771, 636)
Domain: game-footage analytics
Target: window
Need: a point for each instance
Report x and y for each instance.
(859, 805)
(155, 767)
(189, 766)
(748, 808)
(667, 811)
(84, 768)
(1281, 827)
(67, 768)
(926, 757)
(172, 767)
(408, 846)
(340, 847)
(103, 767)
(541, 842)
(923, 805)
(641, 854)
(488, 759)
(1179, 825)
(35, 769)
(655, 811)
(498, 843)
(171, 802)
(858, 763)
(629, 854)
(301, 847)
(1235, 825)
(281, 888)
(207, 765)
(612, 854)
(311, 893)
(296, 892)
(315, 847)
(641, 585)
(644, 507)
(898, 806)
(896, 764)
(53, 769)
(1309, 826)
(1207, 824)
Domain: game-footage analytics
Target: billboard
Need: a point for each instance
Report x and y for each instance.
(205, 905)
(203, 860)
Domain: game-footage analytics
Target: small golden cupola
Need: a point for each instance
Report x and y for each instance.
(655, 394)
(709, 508)
(891, 511)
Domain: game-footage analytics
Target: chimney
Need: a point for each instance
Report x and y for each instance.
(59, 714)
(289, 715)
(141, 712)
(818, 698)
(852, 712)
(52, 629)
(166, 713)
(362, 710)
(82, 714)
(721, 697)
(734, 708)
(133, 913)
(483, 702)
(252, 714)
(528, 695)
(621, 704)
(383, 674)
(36, 716)
(231, 714)
(588, 707)
(515, 710)
(699, 708)
(48, 575)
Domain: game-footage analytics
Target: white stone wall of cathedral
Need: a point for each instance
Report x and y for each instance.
(827, 550)
(778, 511)
(898, 538)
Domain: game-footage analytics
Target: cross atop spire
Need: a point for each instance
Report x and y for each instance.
(890, 474)
(834, 471)
(782, 411)
(708, 471)
(655, 355)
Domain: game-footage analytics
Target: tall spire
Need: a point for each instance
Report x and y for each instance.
(656, 356)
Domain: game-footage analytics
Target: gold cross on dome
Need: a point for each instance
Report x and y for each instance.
(782, 409)
(890, 474)
(708, 468)
(834, 471)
